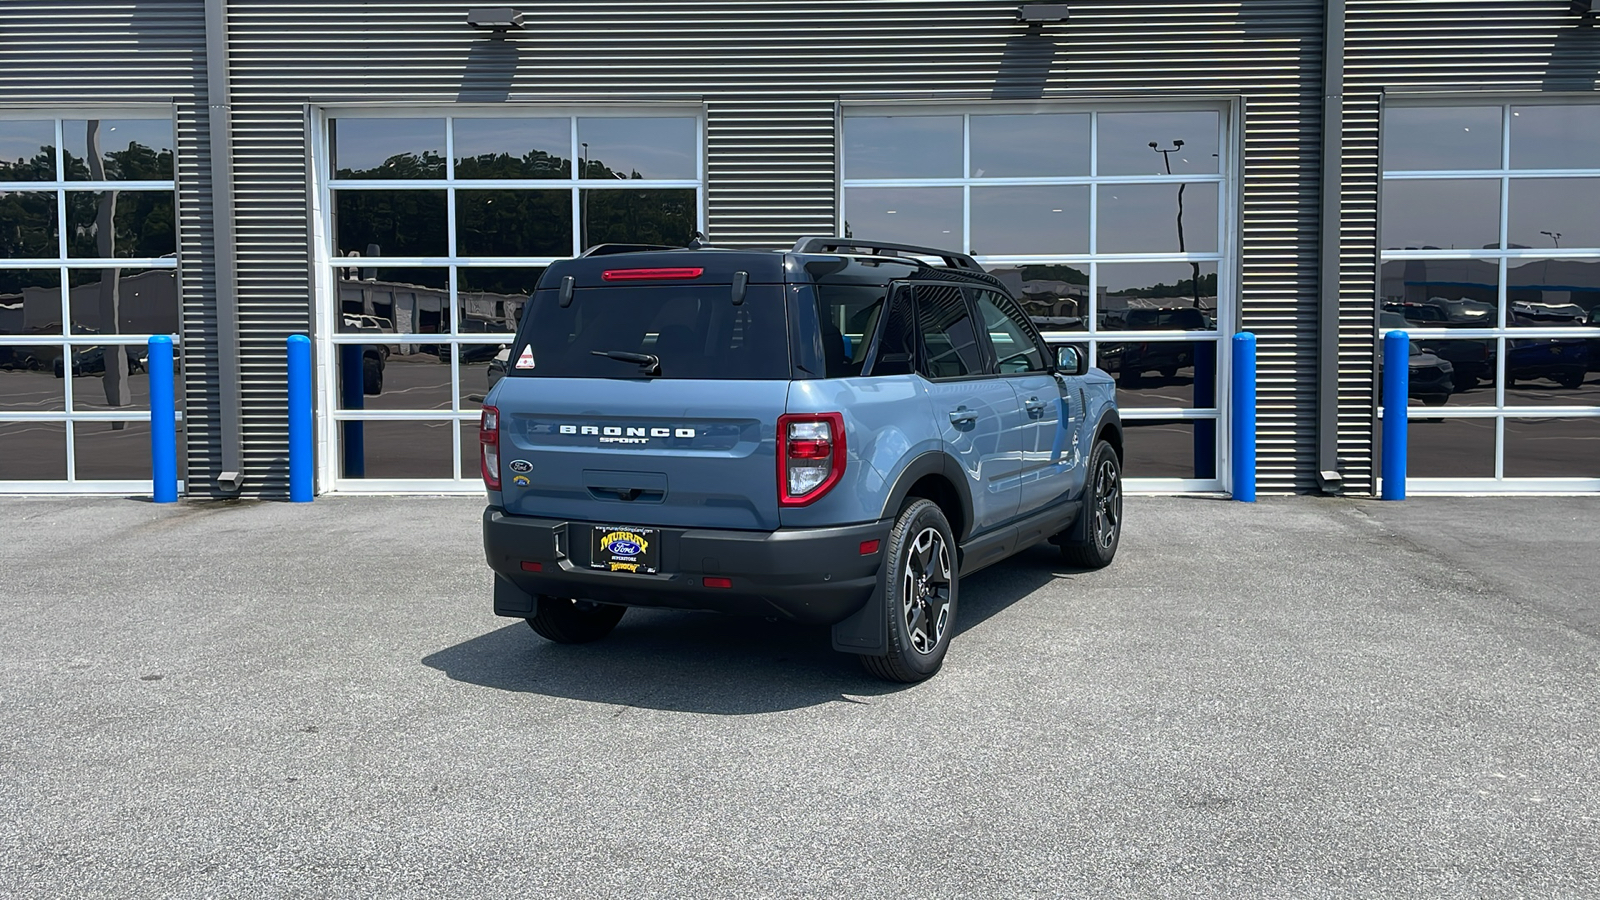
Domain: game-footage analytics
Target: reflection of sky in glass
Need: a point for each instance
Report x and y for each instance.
(514, 137)
(1447, 214)
(22, 141)
(1555, 137)
(1124, 142)
(1454, 137)
(115, 136)
(902, 147)
(1014, 221)
(930, 217)
(1030, 146)
(1136, 218)
(1569, 207)
(646, 147)
(361, 144)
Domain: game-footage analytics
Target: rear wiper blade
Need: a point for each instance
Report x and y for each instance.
(651, 362)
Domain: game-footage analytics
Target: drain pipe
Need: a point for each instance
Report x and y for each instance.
(224, 256)
(1328, 475)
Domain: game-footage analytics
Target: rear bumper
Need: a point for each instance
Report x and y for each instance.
(812, 575)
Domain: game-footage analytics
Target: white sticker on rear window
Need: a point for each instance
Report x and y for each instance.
(525, 361)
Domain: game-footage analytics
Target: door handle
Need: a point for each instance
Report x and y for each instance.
(1033, 403)
(962, 416)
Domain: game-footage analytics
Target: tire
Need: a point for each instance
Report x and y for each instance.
(920, 588)
(1102, 502)
(573, 621)
(371, 376)
(1169, 373)
(1570, 379)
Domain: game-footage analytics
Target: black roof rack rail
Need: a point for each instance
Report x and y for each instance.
(877, 248)
(608, 249)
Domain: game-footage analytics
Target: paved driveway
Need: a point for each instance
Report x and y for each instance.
(1300, 697)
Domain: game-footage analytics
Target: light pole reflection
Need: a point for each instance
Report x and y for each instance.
(1166, 161)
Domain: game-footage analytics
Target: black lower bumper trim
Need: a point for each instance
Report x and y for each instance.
(812, 575)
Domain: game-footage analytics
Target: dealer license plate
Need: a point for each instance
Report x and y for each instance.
(621, 548)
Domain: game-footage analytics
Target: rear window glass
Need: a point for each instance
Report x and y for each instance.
(695, 331)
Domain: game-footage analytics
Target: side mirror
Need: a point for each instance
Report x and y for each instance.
(1071, 359)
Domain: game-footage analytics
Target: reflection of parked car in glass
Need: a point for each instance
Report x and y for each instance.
(1472, 361)
(1431, 379)
(1594, 342)
(374, 357)
(1527, 312)
(92, 361)
(1131, 360)
(1562, 360)
(20, 358)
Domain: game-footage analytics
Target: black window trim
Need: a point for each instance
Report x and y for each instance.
(985, 352)
(1046, 355)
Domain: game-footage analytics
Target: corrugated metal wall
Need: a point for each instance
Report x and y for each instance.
(149, 51)
(771, 72)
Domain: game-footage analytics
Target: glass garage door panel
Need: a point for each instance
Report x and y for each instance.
(439, 228)
(1502, 297)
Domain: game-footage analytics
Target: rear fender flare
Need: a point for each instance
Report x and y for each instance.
(932, 462)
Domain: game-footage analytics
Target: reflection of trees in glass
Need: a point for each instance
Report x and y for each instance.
(646, 217)
(39, 167)
(533, 164)
(1067, 274)
(134, 163)
(401, 165)
(1183, 288)
(144, 224)
(514, 223)
(392, 223)
(28, 225)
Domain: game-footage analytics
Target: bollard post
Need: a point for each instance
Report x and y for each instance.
(301, 477)
(163, 421)
(1396, 394)
(1244, 417)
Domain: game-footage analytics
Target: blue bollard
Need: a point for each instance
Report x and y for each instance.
(163, 421)
(1244, 417)
(302, 484)
(1396, 394)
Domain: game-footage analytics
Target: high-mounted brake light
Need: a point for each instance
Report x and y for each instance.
(489, 442)
(811, 456)
(680, 274)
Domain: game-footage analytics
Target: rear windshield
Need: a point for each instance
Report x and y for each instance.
(695, 331)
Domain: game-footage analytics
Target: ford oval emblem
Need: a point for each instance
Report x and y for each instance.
(623, 547)
(521, 465)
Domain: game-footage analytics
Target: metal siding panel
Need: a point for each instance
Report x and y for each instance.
(149, 51)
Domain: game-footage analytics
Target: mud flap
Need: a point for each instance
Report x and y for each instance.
(510, 600)
(866, 631)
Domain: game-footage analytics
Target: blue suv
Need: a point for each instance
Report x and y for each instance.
(832, 434)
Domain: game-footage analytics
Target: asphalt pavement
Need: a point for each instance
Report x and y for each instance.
(1296, 698)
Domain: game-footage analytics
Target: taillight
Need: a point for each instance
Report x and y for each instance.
(683, 273)
(489, 441)
(811, 456)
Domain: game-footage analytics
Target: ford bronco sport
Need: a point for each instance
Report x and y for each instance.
(832, 434)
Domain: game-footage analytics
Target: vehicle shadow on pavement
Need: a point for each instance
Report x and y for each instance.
(709, 663)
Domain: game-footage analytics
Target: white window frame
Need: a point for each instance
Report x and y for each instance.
(1499, 411)
(67, 415)
(324, 261)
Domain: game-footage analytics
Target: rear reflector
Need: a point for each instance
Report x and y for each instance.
(717, 582)
(680, 274)
(532, 566)
(869, 547)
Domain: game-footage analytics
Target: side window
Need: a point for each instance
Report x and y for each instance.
(949, 341)
(897, 338)
(848, 315)
(1014, 347)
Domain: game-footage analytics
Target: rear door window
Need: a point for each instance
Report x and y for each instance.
(694, 331)
(950, 346)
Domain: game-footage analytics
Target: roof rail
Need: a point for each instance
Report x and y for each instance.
(876, 248)
(608, 249)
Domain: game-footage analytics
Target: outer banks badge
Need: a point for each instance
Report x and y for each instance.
(618, 549)
(520, 480)
(525, 360)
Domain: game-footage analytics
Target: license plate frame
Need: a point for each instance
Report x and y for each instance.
(625, 548)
